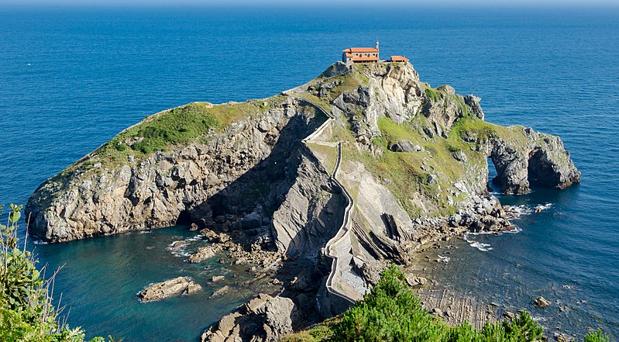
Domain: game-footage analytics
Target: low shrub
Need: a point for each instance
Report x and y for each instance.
(26, 311)
(392, 312)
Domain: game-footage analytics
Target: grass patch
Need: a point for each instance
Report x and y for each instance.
(433, 94)
(484, 131)
(345, 83)
(405, 173)
(316, 333)
(326, 154)
(316, 101)
(178, 126)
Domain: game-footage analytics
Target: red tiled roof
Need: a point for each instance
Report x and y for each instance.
(361, 49)
(399, 59)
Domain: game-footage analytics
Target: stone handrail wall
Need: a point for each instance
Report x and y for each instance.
(343, 232)
(318, 131)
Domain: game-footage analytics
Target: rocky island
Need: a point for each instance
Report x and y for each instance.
(319, 187)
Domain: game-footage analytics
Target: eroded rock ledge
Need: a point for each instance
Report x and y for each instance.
(260, 176)
(169, 288)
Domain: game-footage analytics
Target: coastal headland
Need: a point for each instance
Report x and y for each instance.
(317, 188)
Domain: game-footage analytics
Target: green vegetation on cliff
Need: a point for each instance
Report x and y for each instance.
(178, 126)
(432, 171)
(392, 312)
(26, 311)
(422, 180)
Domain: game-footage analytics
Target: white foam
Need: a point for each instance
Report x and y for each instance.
(443, 259)
(484, 247)
(515, 211)
(541, 207)
(178, 248)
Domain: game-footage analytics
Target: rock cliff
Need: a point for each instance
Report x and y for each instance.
(356, 168)
(119, 188)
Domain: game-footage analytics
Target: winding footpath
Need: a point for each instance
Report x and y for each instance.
(340, 244)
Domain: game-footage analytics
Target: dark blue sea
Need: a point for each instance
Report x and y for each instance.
(71, 78)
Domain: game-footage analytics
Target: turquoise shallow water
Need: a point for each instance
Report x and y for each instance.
(72, 78)
(100, 278)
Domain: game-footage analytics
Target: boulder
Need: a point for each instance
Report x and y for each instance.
(221, 291)
(413, 280)
(169, 288)
(541, 302)
(405, 146)
(202, 254)
(459, 156)
(263, 318)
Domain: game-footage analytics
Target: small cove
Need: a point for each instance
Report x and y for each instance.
(100, 278)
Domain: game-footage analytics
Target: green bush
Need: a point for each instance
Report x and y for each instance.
(392, 312)
(597, 336)
(26, 311)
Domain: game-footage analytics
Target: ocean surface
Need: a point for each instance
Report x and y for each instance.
(71, 78)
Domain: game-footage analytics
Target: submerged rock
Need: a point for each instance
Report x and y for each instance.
(221, 292)
(169, 288)
(562, 337)
(203, 253)
(541, 302)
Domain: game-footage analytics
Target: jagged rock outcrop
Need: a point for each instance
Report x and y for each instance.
(169, 288)
(541, 161)
(264, 318)
(474, 103)
(392, 92)
(310, 213)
